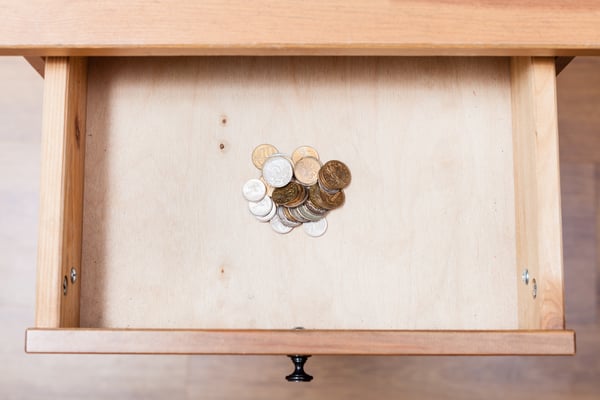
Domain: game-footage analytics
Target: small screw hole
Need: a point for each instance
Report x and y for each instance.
(65, 285)
(534, 288)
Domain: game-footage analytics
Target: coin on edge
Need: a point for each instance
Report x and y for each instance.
(260, 208)
(295, 212)
(277, 171)
(324, 200)
(304, 151)
(285, 220)
(261, 153)
(278, 226)
(254, 190)
(315, 229)
(306, 170)
(300, 199)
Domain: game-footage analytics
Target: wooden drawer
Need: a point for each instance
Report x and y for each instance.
(455, 193)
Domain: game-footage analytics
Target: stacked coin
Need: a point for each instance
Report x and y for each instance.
(296, 190)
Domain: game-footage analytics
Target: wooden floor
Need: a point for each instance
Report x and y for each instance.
(157, 377)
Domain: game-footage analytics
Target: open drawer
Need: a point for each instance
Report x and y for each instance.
(449, 241)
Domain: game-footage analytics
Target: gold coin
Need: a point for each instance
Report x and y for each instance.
(304, 151)
(300, 199)
(314, 196)
(334, 175)
(325, 200)
(333, 201)
(290, 193)
(261, 153)
(306, 170)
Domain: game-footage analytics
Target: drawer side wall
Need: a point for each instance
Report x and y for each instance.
(537, 193)
(61, 188)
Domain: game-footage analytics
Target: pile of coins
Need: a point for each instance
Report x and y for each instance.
(296, 190)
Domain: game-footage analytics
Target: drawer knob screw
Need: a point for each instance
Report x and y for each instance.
(525, 276)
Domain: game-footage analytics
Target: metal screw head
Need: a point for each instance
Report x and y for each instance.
(525, 277)
(65, 285)
(73, 275)
(534, 289)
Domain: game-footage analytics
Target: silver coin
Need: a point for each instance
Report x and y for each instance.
(287, 157)
(261, 208)
(278, 226)
(315, 229)
(254, 190)
(269, 216)
(314, 209)
(277, 171)
(306, 213)
(296, 214)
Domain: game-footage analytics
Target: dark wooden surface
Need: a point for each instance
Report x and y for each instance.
(226, 377)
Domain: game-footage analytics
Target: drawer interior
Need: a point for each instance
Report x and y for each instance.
(429, 235)
(146, 244)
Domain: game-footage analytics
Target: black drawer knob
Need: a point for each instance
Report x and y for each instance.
(299, 375)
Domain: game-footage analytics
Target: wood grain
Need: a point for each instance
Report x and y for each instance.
(168, 240)
(550, 247)
(315, 342)
(580, 121)
(579, 227)
(63, 146)
(537, 193)
(333, 27)
(26, 376)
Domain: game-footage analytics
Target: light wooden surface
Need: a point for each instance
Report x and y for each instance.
(63, 147)
(257, 27)
(314, 342)
(537, 193)
(550, 282)
(168, 239)
(252, 377)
